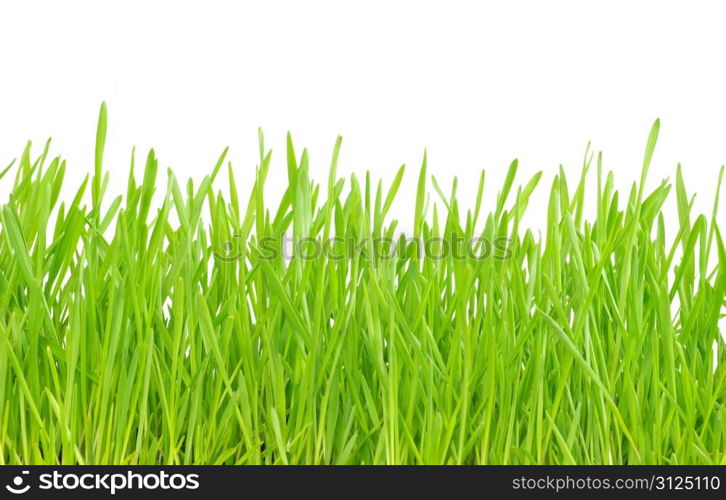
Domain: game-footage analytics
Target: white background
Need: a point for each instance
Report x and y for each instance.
(477, 83)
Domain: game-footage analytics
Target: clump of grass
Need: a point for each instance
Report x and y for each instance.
(152, 346)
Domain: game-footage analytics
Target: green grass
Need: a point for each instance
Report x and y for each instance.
(128, 335)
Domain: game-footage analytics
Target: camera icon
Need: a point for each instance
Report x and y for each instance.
(17, 487)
